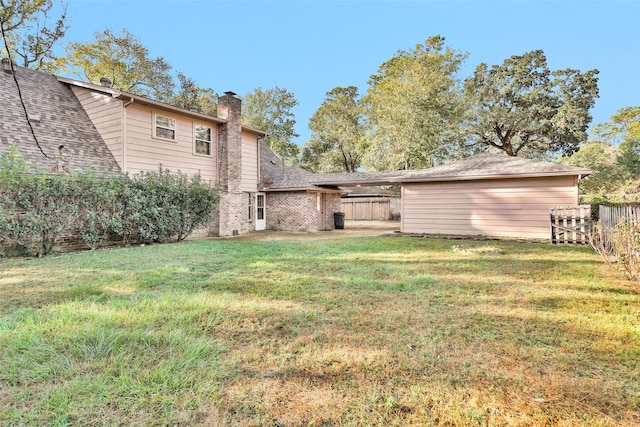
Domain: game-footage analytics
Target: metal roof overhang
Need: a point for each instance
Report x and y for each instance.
(357, 182)
(307, 189)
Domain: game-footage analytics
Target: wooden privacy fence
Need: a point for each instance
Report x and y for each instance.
(369, 208)
(570, 224)
(610, 215)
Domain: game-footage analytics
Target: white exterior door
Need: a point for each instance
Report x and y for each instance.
(261, 221)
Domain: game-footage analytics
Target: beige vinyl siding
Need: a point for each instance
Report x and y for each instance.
(105, 113)
(501, 207)
(250, 165)
(145, 152)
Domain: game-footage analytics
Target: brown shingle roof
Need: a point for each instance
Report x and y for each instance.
(492, 166)
(480, 166)
(60, 120)
(277, 176)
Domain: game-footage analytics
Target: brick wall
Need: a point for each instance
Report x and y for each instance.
(291, 211)
(297, 211)
(234, 208)
(332, 204)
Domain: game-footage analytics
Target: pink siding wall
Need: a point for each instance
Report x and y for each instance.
(502, 207)
(144, 152)
(250, 166)
(105, 113)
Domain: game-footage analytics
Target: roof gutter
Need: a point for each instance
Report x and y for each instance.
(124, 133)
(486, 177)
(307, 189)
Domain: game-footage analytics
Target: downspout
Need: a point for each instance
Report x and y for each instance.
(124, 135)
(579, 179)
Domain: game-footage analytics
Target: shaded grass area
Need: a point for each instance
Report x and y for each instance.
(368, 331)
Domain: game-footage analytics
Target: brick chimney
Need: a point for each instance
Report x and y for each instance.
(230, 141)
(232, 207)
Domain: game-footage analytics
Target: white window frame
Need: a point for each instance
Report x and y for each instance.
(196, 140)
(156, 126)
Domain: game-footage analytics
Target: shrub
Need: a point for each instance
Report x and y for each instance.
(37, 207)
(619, 246)
(162, 206)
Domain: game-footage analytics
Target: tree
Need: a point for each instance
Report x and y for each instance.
(415, 106)
(626, 126)
(613, 153)
(191, 95)
(27, 32)
(524, 109)
(338, 142)
(270, 110)
(600, 156)
(125, 61)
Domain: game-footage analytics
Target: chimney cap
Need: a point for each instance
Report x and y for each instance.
(230, 93)
(105, 82)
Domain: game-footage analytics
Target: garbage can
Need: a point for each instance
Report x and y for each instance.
(338, 220)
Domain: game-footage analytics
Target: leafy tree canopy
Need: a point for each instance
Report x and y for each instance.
(29, 33)
(190, 95)
(414, 105)
(613, 153)
(125, 61)
(625, 126)
(599, 156)
(523, 108)
(271, 111)
(338, 142)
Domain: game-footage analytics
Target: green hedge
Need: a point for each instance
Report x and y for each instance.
(38, 208)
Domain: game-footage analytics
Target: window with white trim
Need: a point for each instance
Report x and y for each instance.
(165, 127)
(202, 140)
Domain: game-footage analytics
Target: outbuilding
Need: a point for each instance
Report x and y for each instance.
(486, 194)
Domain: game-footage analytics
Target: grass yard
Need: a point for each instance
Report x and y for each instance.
(384, 331)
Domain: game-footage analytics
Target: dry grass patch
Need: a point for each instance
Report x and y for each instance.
(377, 331)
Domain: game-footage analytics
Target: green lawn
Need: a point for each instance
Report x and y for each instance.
(358, 332)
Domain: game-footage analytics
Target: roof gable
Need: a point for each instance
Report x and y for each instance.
(63, 130)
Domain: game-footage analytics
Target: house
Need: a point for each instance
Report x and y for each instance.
(75, 125)
(78, 125)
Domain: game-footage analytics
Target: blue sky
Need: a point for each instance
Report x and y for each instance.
(310, 47)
